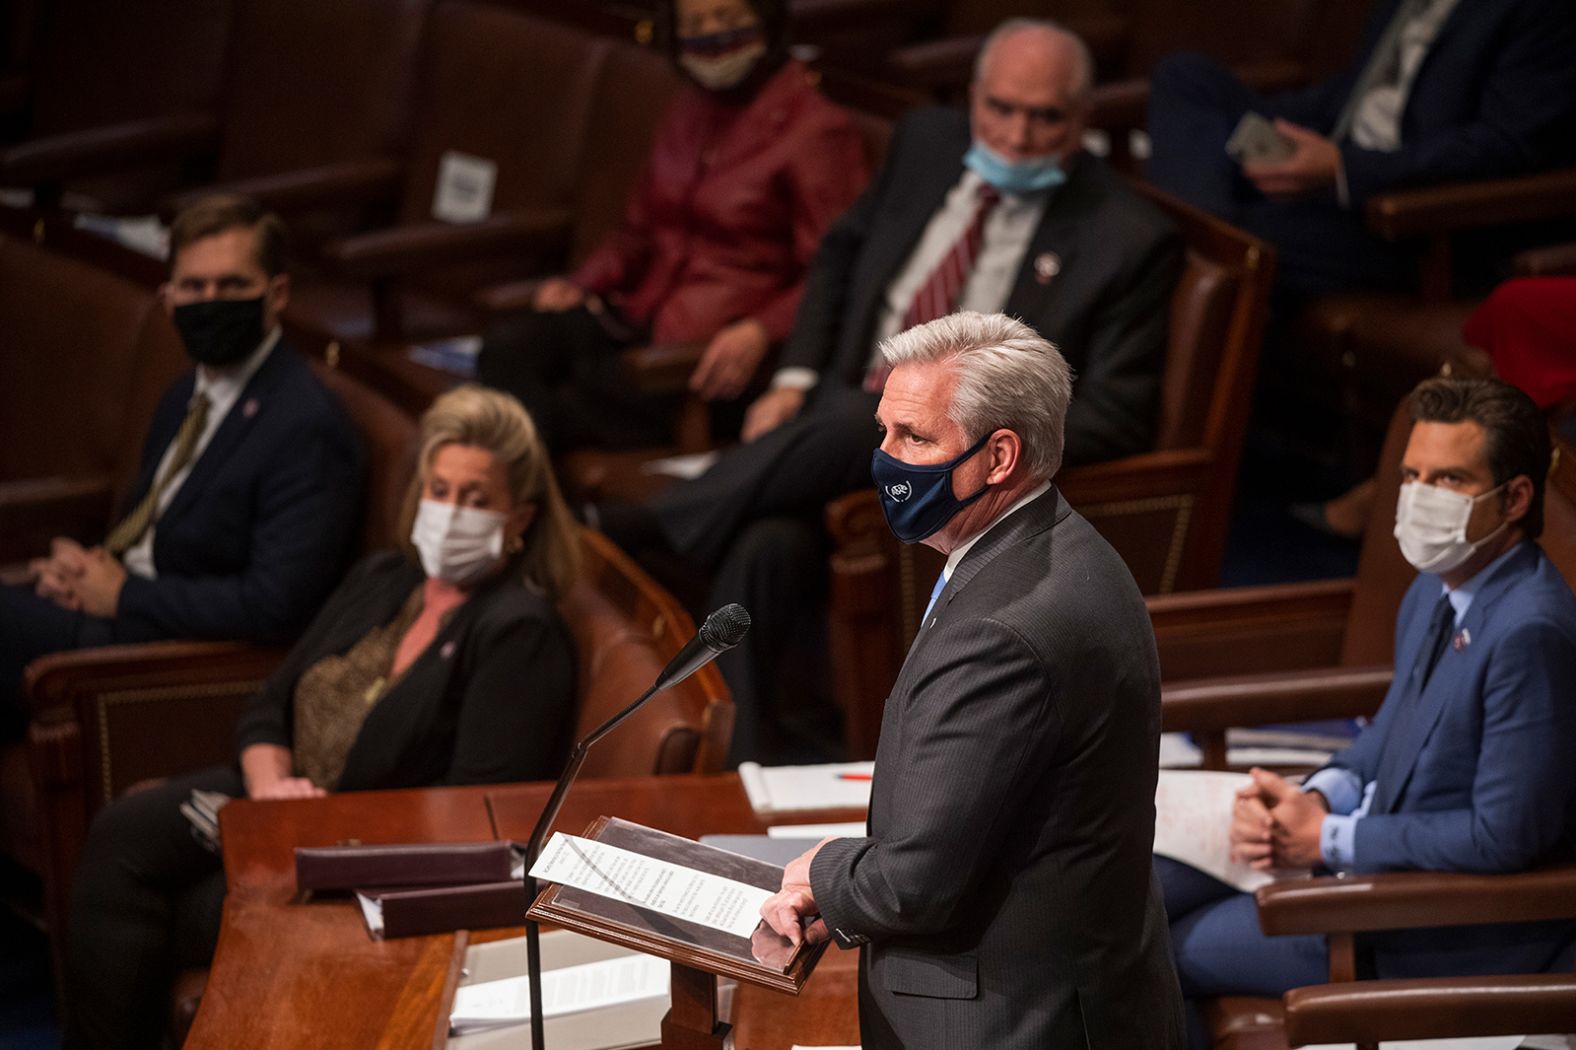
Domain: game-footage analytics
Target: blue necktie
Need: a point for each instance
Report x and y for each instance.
(935, 592)
(1407, 719)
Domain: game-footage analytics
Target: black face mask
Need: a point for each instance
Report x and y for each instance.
(219, 332)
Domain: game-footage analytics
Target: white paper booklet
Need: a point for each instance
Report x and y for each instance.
(786, 789)
(1193, 825)
(684, 893)
(1496, 1042)
(569, 990)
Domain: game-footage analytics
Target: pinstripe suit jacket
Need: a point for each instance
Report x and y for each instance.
(1003, 893)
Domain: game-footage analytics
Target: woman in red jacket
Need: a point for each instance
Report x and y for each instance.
(749, 167)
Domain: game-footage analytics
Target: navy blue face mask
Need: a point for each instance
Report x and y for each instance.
(918, 500)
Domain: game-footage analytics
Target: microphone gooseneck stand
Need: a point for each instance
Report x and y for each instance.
(722, 630)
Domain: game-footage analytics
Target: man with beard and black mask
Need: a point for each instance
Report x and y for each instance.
(240, 517)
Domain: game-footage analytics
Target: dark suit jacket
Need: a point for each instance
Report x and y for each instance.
(1005, 885)
(262, 525)
(1491, 765)
(490, 700)
(1495, 95)
(1106, 310)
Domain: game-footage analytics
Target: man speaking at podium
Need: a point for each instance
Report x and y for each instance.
(1003, 894)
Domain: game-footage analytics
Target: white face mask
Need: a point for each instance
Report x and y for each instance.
(457, 544)
(723, 71)
(1431, 524)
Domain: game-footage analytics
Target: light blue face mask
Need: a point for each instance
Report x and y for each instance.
(1017, 177)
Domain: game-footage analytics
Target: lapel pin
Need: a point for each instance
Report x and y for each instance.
(1462, 639)
(1046, 266)
(448, 649)
(249, 409)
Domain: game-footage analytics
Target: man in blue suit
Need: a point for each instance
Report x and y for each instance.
(241, 515)
(1440, 91)
(1468, 765)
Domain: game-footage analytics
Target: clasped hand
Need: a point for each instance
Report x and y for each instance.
(79, 578)
(1275, 824)
(788, 910)
(1312, 166)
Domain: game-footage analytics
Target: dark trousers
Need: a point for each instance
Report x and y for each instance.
(1194, 105)
(565, 368)
(30, 627)
(146, 903)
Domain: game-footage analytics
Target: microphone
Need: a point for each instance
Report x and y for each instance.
(722, 630)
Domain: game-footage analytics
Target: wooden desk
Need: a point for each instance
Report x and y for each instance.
(288, 974)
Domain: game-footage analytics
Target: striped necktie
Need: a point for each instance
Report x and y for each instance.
(938, 296)
(125, 535)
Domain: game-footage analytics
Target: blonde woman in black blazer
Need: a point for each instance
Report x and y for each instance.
(445, 663)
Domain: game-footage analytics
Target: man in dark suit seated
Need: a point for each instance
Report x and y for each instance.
(1440, 91)
(241, 515)
(1467, 766)
(993, 210)
(1003, 895)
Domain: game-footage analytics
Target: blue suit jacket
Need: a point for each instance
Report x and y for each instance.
(259, 531)
(1491, 766)
(1495, 96)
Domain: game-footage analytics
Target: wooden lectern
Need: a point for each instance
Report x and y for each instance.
(699, 954)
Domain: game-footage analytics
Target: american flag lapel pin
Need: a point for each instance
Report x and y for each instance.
(249, 408)
(1462, 639)
(1046, 266)
(447, 652)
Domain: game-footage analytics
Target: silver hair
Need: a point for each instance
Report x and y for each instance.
(1008, 377)
(1083, 83)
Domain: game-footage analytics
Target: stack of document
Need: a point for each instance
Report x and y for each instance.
(570, 990)
(789, 789)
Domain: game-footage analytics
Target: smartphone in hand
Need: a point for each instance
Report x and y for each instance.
(1256, 141)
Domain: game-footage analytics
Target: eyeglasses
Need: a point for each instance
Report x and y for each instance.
(1044, 116)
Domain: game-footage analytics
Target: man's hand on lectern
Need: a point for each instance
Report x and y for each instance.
(792, 910)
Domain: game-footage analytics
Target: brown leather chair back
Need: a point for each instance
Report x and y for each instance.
(84, 358)
(100, 63)
(1201, 316)
(1559, 512)
(390, 436)
(634, 90)
(626, 629)
(316, 81)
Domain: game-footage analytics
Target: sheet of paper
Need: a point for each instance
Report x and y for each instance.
(686, 468)
(372, 911)
(852, 829)
(834, 785)
(1193, 825)
(568, 990)
(683, 893)
(464, 192)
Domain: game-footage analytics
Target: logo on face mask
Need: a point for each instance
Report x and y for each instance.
(1431, 526)
(918, 500)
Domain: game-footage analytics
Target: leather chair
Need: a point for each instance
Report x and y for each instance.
(102, 718)
(564, 116)
(1317, 651)
(315, 87)
(1166, 511)
(79, 67)
(80, 346)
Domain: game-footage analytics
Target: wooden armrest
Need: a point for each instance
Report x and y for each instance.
(662, 368)
(34, 511)
(1243, 630)
(56, 681)
(1261, 699)
(507, 298)
(347, 184)
(1435, 1008)
(1544, 262)
(1471, 205)
(95, 151)
(410, 249)
(1415, 899)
